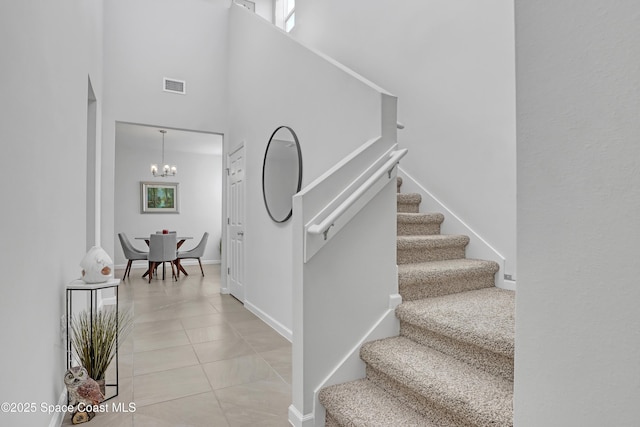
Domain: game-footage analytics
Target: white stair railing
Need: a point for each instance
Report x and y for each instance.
(345, 283)
(347, 209)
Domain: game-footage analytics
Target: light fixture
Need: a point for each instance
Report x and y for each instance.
(166, 169)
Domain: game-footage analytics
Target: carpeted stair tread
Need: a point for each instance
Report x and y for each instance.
(410, 223)
(485, 318)
(420, 218)
(361, 403)
(435, 247)
(437, 278)
(476, 327)
(409, 198)
(432, 242)
(423, 272)
(429, 377)
(408, 202)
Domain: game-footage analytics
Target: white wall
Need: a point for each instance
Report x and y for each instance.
(146, 40)
(451, 64)
(49, 51)
(200, 193)
(578, 323)
(331, 112)
(264, 8)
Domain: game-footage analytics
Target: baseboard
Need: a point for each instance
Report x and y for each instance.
(296, 419)
(144, 264)
(58, 416)
(509, 285)
(352, 367)
(478, 247)
(277, 326)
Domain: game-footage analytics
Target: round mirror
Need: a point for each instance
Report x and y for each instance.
(281, 173)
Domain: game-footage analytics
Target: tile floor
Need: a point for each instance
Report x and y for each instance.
(197, 358)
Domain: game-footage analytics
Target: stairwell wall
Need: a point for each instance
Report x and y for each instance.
(274, 81)
(451, 64)
(577, 317)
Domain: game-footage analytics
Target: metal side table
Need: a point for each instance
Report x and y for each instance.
(91, 291)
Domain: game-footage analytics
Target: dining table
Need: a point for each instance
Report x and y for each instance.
(180, 242)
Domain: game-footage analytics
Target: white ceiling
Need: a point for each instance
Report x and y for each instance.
(149, 137)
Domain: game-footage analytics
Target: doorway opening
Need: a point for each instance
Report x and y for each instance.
(197, 156)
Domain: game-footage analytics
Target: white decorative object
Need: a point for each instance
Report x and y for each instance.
(81, 387)
(97, 266)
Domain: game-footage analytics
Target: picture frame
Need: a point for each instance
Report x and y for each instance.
(159, 197)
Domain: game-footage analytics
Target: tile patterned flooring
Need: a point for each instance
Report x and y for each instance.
(197, 358)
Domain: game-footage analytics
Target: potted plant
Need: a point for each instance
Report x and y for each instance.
(95, 340)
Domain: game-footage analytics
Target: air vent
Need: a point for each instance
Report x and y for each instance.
(174, 86)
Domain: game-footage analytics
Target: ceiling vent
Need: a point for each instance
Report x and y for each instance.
(174, 86)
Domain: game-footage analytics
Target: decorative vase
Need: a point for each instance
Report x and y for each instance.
(97, 266)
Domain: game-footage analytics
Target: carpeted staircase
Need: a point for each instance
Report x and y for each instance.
(452, 364)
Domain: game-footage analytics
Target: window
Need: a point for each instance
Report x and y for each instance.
(289, 15)
(290, 22)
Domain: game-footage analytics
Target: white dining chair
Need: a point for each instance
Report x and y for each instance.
(162, 248)
(130, 253)
(195, 253)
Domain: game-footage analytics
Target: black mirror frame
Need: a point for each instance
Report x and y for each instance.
(264, 162)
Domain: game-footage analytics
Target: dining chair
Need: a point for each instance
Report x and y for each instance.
(195, 253)
(162, 248)
(130, 253)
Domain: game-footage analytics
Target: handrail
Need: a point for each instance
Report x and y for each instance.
(387, 167)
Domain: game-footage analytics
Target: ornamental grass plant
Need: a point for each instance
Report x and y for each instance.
(94, 339)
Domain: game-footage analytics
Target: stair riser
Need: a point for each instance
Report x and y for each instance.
(408, 207)
(405, 229)
(418, 403)
(444, 286)
(414, 255)
(488, 361)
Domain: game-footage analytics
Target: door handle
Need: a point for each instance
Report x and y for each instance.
(240, 233)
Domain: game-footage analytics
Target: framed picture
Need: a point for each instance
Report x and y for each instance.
(159, 197)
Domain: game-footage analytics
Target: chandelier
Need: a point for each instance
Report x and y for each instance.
(166, 169)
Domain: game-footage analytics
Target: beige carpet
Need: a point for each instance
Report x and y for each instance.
(452, 364)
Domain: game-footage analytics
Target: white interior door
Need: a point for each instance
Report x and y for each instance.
(235, 223)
